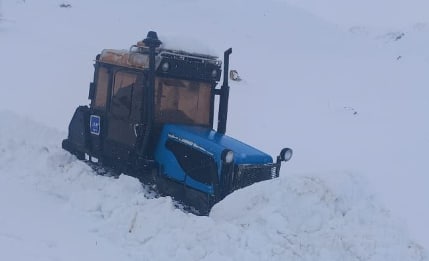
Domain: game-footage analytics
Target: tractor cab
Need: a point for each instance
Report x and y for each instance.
(151, 115)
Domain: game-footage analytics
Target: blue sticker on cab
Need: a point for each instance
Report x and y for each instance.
(94, 124)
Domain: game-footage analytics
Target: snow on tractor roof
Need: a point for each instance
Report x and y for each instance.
(138, 56)
(125, 58)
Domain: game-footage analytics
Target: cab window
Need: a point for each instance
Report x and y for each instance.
(181, 101)
(101, 89)
(122, 93)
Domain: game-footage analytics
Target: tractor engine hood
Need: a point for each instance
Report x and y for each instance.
(214, 143)
(201, 159)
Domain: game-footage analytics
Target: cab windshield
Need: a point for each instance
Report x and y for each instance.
(181, 101)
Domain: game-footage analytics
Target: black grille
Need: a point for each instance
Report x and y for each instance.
(245, 175)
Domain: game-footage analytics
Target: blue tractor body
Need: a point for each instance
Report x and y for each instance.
(207, 142)
(152, 115)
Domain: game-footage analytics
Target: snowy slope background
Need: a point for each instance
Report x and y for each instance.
(349, 94)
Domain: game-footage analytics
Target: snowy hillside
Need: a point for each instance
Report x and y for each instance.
(55, 208)
(349, 97)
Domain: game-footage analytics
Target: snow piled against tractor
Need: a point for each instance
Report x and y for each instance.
(65, 206)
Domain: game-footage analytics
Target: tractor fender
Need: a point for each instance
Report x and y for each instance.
(78, 138)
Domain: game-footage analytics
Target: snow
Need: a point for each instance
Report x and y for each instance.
(57, 208)
(375, 13)
(325, 81)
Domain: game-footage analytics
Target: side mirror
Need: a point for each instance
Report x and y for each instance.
(233, 75)
(286, 154)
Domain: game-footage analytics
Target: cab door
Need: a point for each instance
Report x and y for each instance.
(97, 119)
(124, 113)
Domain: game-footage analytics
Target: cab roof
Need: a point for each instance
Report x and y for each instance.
(138, 57)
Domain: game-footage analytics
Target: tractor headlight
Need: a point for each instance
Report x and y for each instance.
(228, 156)
(286, 154)
(165, 67)
(214, 73)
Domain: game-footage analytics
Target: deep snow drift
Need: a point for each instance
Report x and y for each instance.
(56, 208)
(350, 99)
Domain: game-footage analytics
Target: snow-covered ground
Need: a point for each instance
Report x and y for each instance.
(55, 208)
(349, 96)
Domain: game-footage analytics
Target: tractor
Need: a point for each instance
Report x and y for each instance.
(151, 116)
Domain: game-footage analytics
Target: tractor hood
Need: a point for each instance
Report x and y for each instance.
(193, 156)
(214, 143)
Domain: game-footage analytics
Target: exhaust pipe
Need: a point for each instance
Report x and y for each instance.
(152, 42)
(224, 95)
